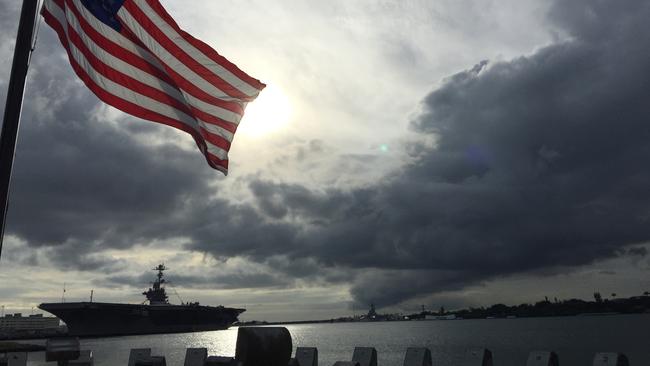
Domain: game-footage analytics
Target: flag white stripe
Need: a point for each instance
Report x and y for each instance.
(216, 130)
(117, 66)
(56, 11)
(169, 60)
(212, 109)
(158, 83)
(216, 151)
(145, 102)
(127, 94)
(122, 66)
(145, 78)
(113, 35)
(196, 54)
(116, 36)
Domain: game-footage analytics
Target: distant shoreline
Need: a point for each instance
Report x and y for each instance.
(337, 321)
(541, 309)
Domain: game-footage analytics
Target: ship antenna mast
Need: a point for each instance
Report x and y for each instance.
(156, 294)
(177, 295)
(160, 269)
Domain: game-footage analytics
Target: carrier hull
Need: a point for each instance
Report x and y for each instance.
(91, 319)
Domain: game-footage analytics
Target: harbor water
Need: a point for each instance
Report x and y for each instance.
(575, 339)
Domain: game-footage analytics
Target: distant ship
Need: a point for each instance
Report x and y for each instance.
(95, 319)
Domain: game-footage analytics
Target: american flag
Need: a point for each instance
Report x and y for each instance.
(134, 56)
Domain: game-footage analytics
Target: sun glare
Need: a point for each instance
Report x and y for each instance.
(269, 113)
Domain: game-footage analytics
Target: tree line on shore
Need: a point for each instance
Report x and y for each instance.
(546, 307)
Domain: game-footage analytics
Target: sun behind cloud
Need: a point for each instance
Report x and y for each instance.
(269, 113)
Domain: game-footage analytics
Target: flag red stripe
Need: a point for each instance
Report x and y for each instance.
(154, 70)
(125, 80)
(107, 97)
(199, 93)
(180, 82)
(152, 29)
(215, 162)
(126, 106)
(53, 22)
(207, 50)
(155, 94)
(205, 117)
(117, 50)
(215, 139)
(145, 65)
(144, 89)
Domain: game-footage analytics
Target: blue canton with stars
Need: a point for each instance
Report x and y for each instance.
(105, 10)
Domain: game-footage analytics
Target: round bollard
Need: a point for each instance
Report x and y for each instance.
(263, 346)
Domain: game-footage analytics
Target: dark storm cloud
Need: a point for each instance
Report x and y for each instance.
(310, 148)
(8, 27)
(637, 252)
(602, 21)
(608, 273)
(83, 256)
(9, 12)
(82, 184)
(389, 287)
(538, 163)
(222, 281)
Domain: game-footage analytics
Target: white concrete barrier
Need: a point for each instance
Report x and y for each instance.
(610, 359)
(139, 354)
(478, 357)
(542, 358)
(417, 357)
(195, 356)
(307, 356)
(365, 356)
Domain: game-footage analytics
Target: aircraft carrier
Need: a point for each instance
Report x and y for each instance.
(96, 319)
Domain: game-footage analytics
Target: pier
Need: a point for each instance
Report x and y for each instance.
(273, 346)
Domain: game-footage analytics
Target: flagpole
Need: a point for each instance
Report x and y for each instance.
(14, 104)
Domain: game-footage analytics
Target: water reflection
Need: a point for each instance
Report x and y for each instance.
(575, 339)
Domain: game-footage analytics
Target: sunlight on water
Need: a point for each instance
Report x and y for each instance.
(115, 351)
(575, 339)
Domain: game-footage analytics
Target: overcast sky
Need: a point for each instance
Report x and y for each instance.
(405, 153)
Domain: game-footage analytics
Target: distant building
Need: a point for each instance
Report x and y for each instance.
(440, 317)
(33, 322)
